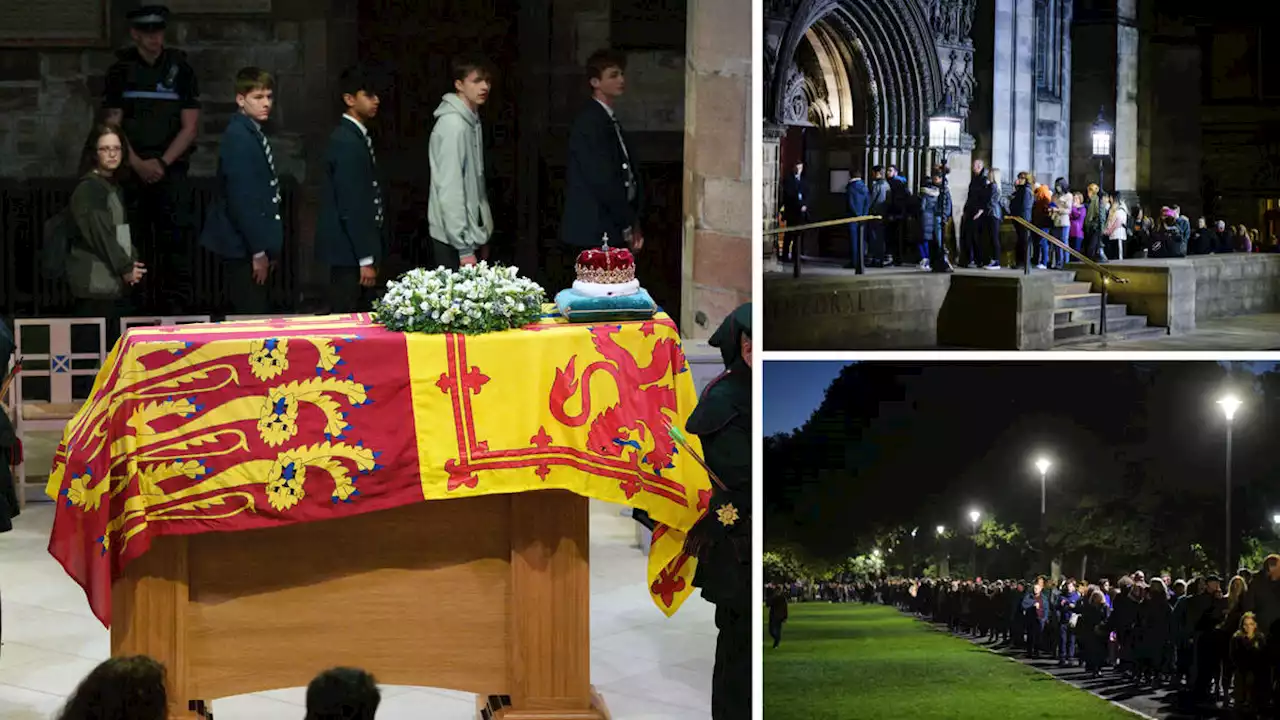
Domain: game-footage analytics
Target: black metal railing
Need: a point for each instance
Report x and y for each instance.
(1105, 275)
(25, 292)
(795, 256)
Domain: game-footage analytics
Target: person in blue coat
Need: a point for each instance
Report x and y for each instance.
(935, 207)
(859, 198)
(243, 226)
(349, 226)
(1068, 605)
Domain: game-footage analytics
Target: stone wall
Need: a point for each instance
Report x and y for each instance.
(718, 165)
(49, 97)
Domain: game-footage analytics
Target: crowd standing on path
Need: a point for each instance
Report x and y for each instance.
(1216, 643)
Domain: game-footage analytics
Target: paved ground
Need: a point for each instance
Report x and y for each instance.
(1163, 704)
(1243, 333)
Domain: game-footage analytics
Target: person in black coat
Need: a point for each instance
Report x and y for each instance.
(8, 441)
(244, 226)
(777, 615)
(604, 193)
(721, 539)
(974, 204)
(900, 201)
(795, 207)
(350, 221)
(1021, 206)
(858, 195)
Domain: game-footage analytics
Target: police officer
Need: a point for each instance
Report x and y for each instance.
(151, 92)
(721, 540)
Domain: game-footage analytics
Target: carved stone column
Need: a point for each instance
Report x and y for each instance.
(770, 173)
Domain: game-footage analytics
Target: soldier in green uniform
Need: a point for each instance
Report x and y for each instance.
(721, 540)
(151, 92)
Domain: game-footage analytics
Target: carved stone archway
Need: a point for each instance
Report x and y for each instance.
(869, 71)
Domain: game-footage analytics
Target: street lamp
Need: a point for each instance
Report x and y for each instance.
(1102, 133)
(944, 129)
(941, 529)
(1275, 519)
(1229, 405)
(1043, 466)
(973, 558)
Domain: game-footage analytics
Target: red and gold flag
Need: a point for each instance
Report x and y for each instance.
(232, 426)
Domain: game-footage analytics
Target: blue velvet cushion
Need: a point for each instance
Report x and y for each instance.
(582, 308)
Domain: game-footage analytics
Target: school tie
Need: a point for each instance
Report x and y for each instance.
(626, 165)
(271, 163)
(377, 193)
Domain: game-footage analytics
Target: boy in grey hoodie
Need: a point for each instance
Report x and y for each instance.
(458, 214)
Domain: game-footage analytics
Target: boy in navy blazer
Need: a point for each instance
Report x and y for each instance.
(604, 194)
(349, 227)
(244, 226)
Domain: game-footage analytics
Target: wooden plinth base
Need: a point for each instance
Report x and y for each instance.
(480, 594)
(497, 707)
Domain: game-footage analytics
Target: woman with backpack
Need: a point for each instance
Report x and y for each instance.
(100, 263)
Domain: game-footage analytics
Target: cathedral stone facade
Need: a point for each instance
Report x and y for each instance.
(1188, 89)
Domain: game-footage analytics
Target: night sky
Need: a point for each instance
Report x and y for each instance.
(897, 444)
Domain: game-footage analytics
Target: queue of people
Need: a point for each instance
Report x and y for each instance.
(915, 226)
(1209, 639)
(129, 235)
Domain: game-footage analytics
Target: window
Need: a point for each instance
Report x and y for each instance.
(1048, 44)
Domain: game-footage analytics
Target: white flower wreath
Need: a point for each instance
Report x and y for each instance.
(477, 299)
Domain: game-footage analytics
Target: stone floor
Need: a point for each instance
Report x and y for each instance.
(1242, 333)
(646, 666)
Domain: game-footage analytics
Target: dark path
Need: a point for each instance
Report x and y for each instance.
(1160, 703)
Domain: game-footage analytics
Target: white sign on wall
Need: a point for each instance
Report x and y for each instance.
(839, 179)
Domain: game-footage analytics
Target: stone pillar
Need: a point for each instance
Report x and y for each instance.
(1106, 76)
(1002, 85)
(717, 253)
(770, 173)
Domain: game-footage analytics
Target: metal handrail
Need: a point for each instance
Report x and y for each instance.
(1106, 275)
(824, 223)
(795, 259)
(1075, 253)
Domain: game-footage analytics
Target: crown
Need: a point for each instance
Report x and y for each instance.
(606, 266)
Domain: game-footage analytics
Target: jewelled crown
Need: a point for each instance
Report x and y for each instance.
(606, 266)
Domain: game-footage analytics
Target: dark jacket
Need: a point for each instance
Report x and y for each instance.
(858, 196)
(8, 442)
(778, 608)
(795, 195)
(978, 197)
(1029, 606)
(596, 193)
(151, 99)
(1263, 600)
(722, 422)
(97, 259)
(1022, 202)
(346, 226)
(899, 197)
(995, 201)
(244, 219)
(1167, 242)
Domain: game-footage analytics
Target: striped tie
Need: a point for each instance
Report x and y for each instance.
(377, 194)
(271, 163)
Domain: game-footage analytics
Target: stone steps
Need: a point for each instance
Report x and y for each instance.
(1139, 334)
(1091, 313)
(1072, 288)
(1077, 316)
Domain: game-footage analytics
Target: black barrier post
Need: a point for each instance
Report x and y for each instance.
(1102, 323)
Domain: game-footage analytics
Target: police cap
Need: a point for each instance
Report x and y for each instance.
(149, 17)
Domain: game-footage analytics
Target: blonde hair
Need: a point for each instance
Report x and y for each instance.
(1235, 591)
(995, 175)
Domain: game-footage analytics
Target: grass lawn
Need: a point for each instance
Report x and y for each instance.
(850, 661)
